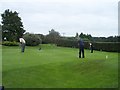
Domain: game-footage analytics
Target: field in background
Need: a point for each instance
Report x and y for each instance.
(58, 67)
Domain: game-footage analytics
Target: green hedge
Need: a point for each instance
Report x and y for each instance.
(70, 43)
(100, 46)
(8, 43)
(66, 43)
(107, 46)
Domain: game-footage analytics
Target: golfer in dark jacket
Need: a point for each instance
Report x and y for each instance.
(81, 48)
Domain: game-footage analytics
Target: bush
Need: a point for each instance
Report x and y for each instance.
(8, 43)
(32, 39)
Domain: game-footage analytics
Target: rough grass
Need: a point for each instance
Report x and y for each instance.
(58, 67)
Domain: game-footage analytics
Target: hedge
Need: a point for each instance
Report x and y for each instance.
(107, 46)
(66, 43)
(8, 43)
(100, 46)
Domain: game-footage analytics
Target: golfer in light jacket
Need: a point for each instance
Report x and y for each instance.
(22, 41)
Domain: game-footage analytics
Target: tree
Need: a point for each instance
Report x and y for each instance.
(77, 36)
(89, 37)
(12, 27)
(53, 36)
(42, 38)
(85, 37)
(82, 35)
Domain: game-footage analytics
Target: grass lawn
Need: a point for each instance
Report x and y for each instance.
(0, 65)
(58, 67)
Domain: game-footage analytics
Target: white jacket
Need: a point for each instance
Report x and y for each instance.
(22, 40)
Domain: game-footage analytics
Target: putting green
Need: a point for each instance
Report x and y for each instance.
(58, 67)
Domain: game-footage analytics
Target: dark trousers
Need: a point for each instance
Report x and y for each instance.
(91, 50)
(22, 47)
(81, 52)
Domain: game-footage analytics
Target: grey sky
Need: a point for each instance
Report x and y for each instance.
(95, 17)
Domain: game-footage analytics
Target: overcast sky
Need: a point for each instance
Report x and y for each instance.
(96, 17)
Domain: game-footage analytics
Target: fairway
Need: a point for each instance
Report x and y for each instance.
(58, 67)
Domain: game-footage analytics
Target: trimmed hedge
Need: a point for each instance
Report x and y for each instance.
(70, 43)
(66, 43)
(8, 43)
(107, 46)
(100, 46)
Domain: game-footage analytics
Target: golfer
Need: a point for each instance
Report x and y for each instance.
(22, 41)
(91, 47)
(81, 48)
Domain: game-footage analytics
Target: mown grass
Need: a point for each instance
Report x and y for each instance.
(58, 67)
(0, 65)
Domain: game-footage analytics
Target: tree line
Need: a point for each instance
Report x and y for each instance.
(12, 29)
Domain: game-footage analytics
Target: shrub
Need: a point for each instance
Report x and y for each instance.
(8, 43)
(32, 39)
